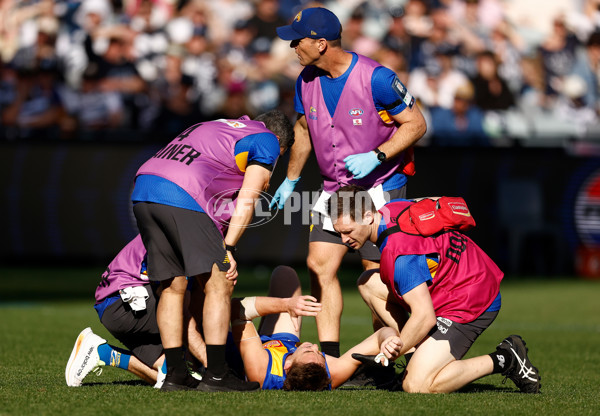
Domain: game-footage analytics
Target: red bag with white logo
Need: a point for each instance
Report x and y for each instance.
(429, 216)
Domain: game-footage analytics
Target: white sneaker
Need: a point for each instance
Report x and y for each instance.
(84, 358)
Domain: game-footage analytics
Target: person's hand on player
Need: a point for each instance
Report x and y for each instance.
(391, 346)
(283, 192)
(361, 164)
(302, 306)
(232, 273)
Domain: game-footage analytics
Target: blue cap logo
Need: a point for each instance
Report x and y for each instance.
(315, 23)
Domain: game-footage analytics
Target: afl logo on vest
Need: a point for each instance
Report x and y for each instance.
(587, 226)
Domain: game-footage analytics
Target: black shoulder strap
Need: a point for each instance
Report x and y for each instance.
(385, 233)
(390, 230)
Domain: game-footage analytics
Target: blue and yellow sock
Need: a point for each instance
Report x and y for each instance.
(113, 356)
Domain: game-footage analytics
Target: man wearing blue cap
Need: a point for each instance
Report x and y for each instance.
(362, 123)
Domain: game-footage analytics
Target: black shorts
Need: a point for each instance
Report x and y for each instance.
(368, 251)
(136, 330)
(179, 242)
(461, 336)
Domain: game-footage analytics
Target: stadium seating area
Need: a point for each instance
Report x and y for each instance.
(485, 72)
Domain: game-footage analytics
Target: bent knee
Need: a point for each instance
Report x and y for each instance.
(417, 385)
(369, 283)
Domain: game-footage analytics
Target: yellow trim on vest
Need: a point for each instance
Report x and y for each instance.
(241, 160)
(385, 116)
(433, 266)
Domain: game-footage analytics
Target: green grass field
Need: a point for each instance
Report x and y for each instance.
(559, 319)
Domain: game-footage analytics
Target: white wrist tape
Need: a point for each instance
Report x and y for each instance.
(248, 308)
(382, 359)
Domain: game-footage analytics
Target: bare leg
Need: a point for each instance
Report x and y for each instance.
(323, 262)
(141, 370)
(169, 312)
(194, 307)
(217, 305)
(284, 283)
(432, 369)
(376, 295)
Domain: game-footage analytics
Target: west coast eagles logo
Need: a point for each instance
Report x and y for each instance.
(298, 17)
(312, 113)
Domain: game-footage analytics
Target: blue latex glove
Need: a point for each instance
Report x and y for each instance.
(283, 193)
(360, 165)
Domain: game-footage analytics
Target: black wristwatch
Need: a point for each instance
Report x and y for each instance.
(380, 155)
(231, 249)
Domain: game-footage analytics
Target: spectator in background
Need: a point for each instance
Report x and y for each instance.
(393, 59)
(570, 105)
(238, 48)
(43, 49)
(150, 39)
(263, 90)
(266, 19)
(462, 125)
(91, 112)
(436, 84)
(397, 38)
(119, 74)
(173, 92)
(558, 55)
(587, 66)
(199, 63)
(8, 95)
(531, 96)
(508, 47)
(491, 91)
(355, 38)
(223, 16)
(37, 109)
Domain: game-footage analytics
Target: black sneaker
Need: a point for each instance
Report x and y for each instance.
(372, 376)
(174, 383)
(226, 382)
(521, 371)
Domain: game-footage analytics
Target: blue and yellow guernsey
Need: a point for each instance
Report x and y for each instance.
(279, 346)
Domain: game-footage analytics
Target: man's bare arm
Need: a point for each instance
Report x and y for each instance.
(300, 150)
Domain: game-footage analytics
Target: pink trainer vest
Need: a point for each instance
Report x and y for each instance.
(201, 160)
(466, 282)
(124, 271)
(356, 126)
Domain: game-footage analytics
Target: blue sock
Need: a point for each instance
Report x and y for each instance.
(164, 367)
(113, 356)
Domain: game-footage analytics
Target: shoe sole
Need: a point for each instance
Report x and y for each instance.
(86, 341)
(71, 380)
(169, 386)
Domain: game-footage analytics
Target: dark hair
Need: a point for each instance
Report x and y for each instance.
(352, 200)
(280, 125)
(306, 377)
(336, 43)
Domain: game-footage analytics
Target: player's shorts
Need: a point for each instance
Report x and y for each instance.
(461, 336)
(179, 242)
(368, 251)
(137, 330)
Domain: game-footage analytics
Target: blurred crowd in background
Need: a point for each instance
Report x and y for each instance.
(485, 72)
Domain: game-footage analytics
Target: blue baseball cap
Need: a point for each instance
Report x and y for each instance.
(315, 23)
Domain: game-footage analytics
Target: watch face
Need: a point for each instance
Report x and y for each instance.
(381, 156)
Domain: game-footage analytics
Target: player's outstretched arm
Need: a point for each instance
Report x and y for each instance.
(249, 308)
